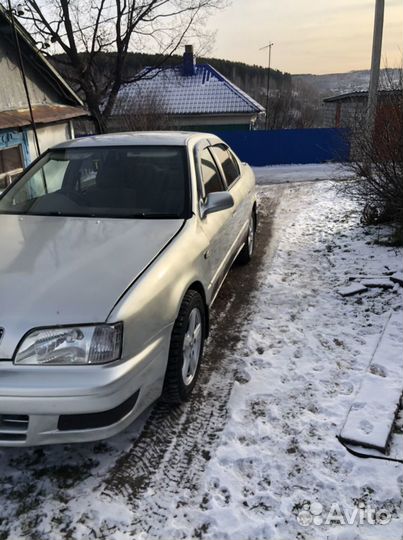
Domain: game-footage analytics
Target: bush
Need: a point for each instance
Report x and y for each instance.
(377, 162)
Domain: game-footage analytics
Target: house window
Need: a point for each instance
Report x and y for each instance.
(11, 164)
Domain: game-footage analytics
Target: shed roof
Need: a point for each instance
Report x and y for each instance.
(42, 114)
(206, 92)
(359, 95)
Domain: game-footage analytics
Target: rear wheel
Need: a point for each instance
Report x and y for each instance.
(247, 251)
(186, 349)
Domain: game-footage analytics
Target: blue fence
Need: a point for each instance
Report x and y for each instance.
(283, 146)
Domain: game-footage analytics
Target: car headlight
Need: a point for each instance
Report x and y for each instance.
(75, 345)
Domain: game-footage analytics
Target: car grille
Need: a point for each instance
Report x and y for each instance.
(13, 427)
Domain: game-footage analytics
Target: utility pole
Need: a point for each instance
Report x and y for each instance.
(375, 66)
(269, 46)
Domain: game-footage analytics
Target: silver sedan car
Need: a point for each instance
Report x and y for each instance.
(112, 251)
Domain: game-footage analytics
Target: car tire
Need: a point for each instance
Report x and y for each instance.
(246, 252)
(186, 349)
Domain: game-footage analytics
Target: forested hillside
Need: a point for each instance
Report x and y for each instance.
(251, 79)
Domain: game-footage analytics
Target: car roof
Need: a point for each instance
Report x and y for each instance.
(142, 138)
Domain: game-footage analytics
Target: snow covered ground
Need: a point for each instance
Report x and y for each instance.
(277, 174)
(273, 468)
(278, 461)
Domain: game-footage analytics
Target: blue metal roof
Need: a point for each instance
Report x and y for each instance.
(205, 92)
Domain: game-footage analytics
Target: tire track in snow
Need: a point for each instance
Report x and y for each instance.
(176, 443)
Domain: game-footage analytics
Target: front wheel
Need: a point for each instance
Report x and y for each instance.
(186, 349)
(247, 251)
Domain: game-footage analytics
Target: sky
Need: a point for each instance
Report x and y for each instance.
(310, 36)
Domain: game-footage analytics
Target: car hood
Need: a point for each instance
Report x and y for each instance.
(70, 270)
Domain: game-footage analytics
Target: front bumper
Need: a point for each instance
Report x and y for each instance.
(63, 404)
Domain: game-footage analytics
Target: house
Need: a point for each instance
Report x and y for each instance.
(54, 103)
(345, 110)
(350, 111)
(191, 96)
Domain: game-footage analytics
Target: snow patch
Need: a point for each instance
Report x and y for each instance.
(278, 174)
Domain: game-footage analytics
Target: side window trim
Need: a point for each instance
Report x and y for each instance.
(224, 146)
(199, 148)
(237, 162)
(219, 168)
(218, 165)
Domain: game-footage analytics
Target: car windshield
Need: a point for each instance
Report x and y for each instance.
(122, 182)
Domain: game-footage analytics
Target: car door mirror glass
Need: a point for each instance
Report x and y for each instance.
(215, 202)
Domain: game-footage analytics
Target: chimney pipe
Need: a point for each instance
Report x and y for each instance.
(189, 61)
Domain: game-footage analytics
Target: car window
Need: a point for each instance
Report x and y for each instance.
(46, 180)
(211, 177)
(130, 181)
(228, 163)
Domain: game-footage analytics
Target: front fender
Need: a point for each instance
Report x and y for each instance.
(150, 306)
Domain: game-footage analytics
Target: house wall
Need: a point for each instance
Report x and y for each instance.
(213, 128)
(48, 136)
(12, 93)
(215, 123)
(205, 123)
(344, 113)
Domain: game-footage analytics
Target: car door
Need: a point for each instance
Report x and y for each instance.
(240, 188)
(215, 226)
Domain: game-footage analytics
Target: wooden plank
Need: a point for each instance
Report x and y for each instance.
(370, 419)
(354, 288)
(397, 278)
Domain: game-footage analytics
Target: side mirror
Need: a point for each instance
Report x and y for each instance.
(215, 202)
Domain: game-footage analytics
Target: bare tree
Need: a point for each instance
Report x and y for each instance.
(293, 106)
(147, 114)
(379, 187)
(83, 30)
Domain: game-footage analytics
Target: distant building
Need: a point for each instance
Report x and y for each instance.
(345, 110)
(192, 96)
(350, 111)
(54, 103)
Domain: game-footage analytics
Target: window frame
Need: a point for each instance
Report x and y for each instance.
(219, 171)
(197, 150)
(7, 175)
(225, 147)
(37, 163)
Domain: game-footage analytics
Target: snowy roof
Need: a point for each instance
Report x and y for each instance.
(205, 92)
